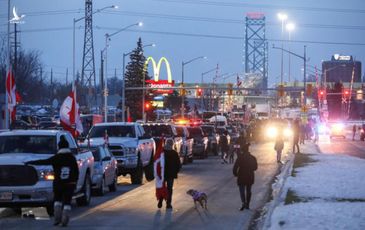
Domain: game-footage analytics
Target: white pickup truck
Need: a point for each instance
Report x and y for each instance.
(29, 185)
(127, 141)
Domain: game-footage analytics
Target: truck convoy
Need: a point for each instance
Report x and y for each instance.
(36, 189)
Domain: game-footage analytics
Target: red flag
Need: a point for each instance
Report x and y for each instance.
(159, 169)
(69, 114)
(11, 91)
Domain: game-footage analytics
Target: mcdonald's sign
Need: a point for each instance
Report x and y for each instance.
(156, 83)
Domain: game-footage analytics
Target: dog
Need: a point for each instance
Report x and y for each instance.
(200, 197)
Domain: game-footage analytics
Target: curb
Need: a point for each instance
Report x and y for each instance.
(277, 191)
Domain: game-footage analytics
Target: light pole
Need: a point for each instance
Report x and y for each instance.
(282, 17)
(123, 87)
(73, 36)
(143, 85)
(289, 27)
(107, 39)
(182, 80)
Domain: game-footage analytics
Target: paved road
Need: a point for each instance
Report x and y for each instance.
(134, 207)
(343, 146)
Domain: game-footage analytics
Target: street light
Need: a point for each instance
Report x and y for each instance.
(289, 27)
(107, 39)
(182, 79)
(123, 89)
(282, 17)
(73, 36)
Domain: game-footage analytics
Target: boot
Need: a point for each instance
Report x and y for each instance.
(66, 215)
(57, 212)
(159, 205)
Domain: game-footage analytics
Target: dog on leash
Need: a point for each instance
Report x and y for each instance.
(200, 197)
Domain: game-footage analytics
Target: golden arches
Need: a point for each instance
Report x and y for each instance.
(157, 67)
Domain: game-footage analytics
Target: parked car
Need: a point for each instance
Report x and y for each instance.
(213, 138)
(133, 149)
(32, 185)
(186, 154)
(105, 170)
(200, 145)
(166, 130)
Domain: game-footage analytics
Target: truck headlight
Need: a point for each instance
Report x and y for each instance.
(272, 132)
(130, 150)
(46, 174)
(288, 132)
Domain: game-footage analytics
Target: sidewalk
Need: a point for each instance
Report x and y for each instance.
(322, 191)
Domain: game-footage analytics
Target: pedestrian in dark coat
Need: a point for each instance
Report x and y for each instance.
(353, 132)
(224, 146)
(244, 169)
(66, 174)
(296, 130)
(172, 168)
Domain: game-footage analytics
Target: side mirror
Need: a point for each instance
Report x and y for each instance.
(107, 158)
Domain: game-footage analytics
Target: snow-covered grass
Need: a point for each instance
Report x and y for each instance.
(324, 192)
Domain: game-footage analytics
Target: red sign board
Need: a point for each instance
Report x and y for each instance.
(160, 86)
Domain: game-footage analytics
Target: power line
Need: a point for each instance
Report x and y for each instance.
(213, 36)
(265, 6)
(48, 12)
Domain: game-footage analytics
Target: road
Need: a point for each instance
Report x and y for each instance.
(343, 146)
(135, 207)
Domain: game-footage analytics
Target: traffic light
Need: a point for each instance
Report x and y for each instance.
(309, 89)
(199, 92)
(182, 90)
(321, 94)
(147, 105)
(346, 93)
(230, 89)
(281, 91)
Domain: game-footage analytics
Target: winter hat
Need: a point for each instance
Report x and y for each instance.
(63, 143)
(169, 143)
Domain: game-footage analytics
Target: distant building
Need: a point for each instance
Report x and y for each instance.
(339, 69)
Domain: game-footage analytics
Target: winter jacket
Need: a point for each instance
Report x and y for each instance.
(172, 164)
(224, 143)
(64, 166)
(279, 144)
(244, 168)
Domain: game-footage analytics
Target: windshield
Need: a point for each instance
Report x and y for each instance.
(28, 144)
(158, 130)
(195, 132)
(113, 131)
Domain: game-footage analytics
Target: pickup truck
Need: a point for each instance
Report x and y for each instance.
(30, 185)
(186, 155)
(132, 149)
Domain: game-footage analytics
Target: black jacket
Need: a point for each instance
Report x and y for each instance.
(64, 165)
(244, 168)
(172, 164)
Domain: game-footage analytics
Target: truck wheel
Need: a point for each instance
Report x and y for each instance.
(137, 174)
(86, 190)
(148, 170)
(50, 210)
(101, 190)
(114, 185)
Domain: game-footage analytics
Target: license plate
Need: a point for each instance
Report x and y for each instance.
(236, 146)
(6, 196)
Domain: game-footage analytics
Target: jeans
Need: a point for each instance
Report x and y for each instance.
(170, 185)
(245, 193)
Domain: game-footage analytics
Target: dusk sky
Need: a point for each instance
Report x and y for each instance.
(185, 29)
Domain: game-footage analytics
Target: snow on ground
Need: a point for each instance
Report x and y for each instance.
(334, 187)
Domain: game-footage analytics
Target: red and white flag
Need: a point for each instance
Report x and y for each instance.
(159, 170)
(69, 114)
(11, 92)
(239, 82)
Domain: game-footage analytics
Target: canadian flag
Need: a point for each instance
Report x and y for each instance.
(69, 114)
(11, 92)
(159, 170)
(239, 82)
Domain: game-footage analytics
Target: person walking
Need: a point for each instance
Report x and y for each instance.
(296, 130)
(279, 145)
(172, 166)
(66, 174)
(224, 146)
(244, 169)
(353, 132)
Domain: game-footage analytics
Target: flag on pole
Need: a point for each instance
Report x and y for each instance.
(69, 114)
(239, 82)
(159, 170)
(12, 98)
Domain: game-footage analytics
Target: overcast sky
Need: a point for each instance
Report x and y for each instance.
(185, 29)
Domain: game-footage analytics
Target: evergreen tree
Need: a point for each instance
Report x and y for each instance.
(134, 76)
